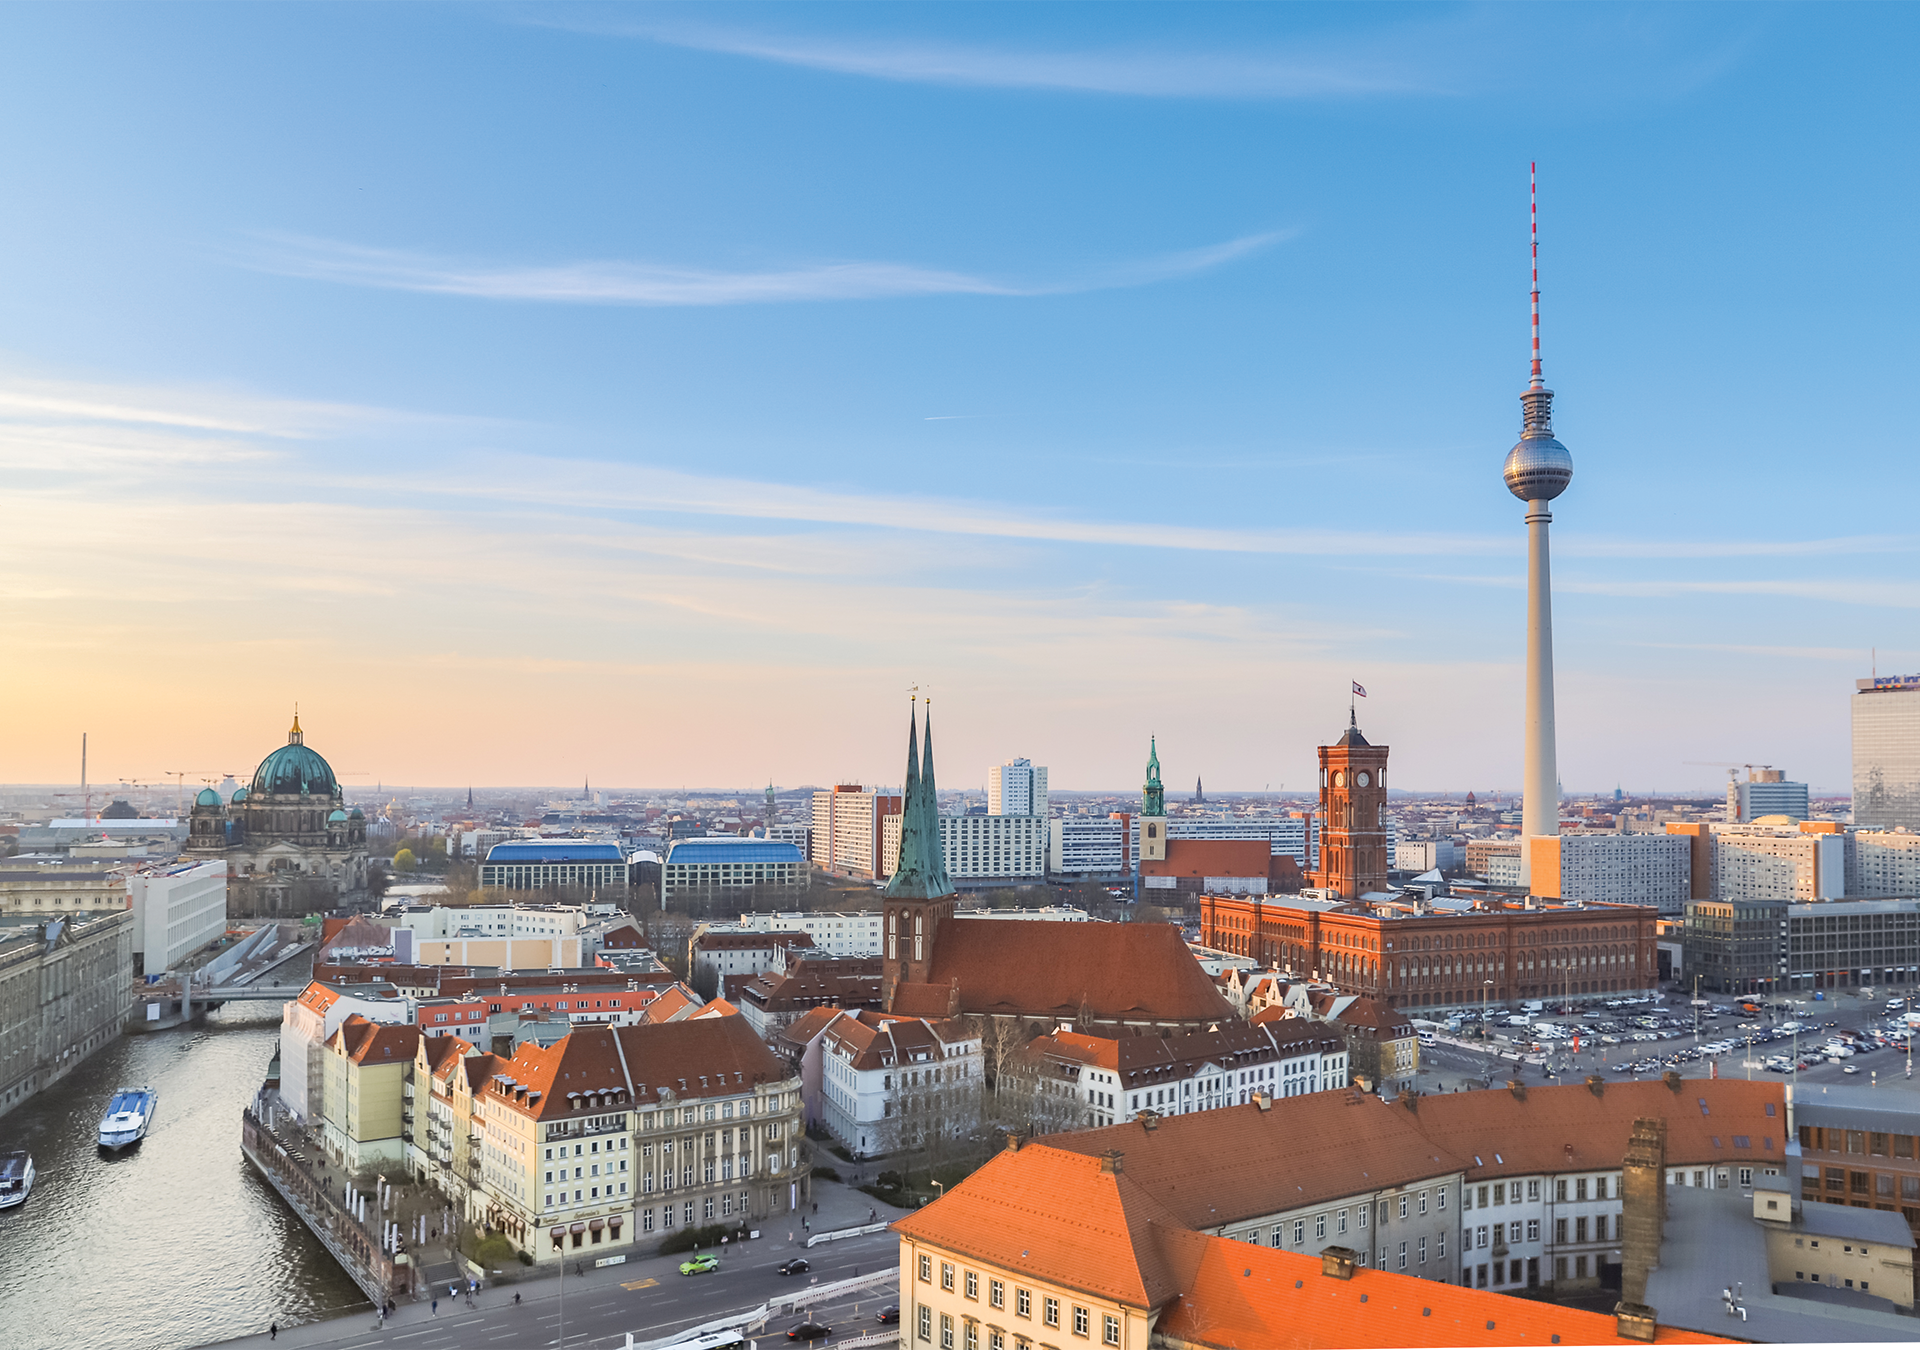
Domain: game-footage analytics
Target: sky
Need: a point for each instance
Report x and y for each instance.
(656, 394)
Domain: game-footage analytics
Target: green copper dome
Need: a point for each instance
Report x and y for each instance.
(207, 797)
(295, 769)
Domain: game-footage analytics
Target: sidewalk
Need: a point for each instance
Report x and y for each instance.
(841, 1206)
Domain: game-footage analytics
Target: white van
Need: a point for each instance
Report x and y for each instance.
(1533, 1005)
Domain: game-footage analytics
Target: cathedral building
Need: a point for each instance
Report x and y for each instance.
(289, 825)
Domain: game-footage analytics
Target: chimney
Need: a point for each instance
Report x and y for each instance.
(1112, 1162)
(1635, 1321)
(1338, 1262)
(1519, 1089)
(1643, 1210)
(1672, 1079)
(1263, 1100)
(1411, 1100)
(1149, 1120)
(1596, 1084)
(1013, 1141)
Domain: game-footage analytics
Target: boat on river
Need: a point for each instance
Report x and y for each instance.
(16, 1178)
(128, 1116)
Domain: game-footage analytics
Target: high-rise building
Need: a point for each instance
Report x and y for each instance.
(849, 830)
(1886, 752)
(1617, 869)
(1017, 788)
(1353, 841)
(1766, 793)
(1538, 470)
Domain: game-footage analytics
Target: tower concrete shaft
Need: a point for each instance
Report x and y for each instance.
(1540, 807)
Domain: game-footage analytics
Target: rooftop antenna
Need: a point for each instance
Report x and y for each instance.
(1533, 214)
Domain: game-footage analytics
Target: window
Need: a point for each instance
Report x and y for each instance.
(1109, 1329)
(1559, 1230)
(996, 1339)
(1367, 1209)
(1403, 1256)
(1533, 1230)
(973, 1335)
(1023, 1302)
(996, 1294)
(1533, 1190)
(926, 1323)
(1050, 1311)
(1580, 1188)
(1580, 1230)
(1080, 1320)
(946, 1331)
(1560, 1190)
(1319, 1226)
(1342, 1222)
(1423, 1202)
(973, 1285)
(946, 1276)
(1440, 1252)
(1746, 1176)
(1403, 1206)
(1443, 1200)
(1480, 1236)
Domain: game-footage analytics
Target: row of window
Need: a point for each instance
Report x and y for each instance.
(1050, 1309)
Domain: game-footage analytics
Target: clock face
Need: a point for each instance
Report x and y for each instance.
(1363, 780)
(1340, 778)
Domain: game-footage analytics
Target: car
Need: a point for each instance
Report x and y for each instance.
(700, 1265)
(808, 1331)
(889, 1314)
(797, 1266)
(1849, 1068)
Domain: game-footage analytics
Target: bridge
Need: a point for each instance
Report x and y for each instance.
(237, 975)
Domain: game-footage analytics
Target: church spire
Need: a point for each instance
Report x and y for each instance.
(1153, 796)
(921, 873)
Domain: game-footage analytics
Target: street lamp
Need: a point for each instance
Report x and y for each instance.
(1486, 990)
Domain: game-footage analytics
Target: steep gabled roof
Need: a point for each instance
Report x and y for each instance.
(1060, 1217)
(1041, 968)
(808, 1025)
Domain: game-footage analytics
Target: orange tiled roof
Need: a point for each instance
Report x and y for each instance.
(1236, 1296)
(808, 1025)
(1117, 971)
(1060, 1217)
(1212, 858)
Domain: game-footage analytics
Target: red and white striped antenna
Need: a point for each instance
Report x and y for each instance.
(1533, 211)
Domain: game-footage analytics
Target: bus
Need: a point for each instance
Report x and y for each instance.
(715, 1340)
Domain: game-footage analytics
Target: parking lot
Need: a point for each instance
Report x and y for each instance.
(1843, 1037)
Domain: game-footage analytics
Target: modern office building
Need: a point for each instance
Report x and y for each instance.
(849, 830)
(1734, 946)
(66, 987)
(1426, 855)
(555, 864)
(1886, 753)
(1090, 848)
(1766, 793)
(708, 868)
(1017, 788)
(1757, 946)
(177, 909)
(1621, 869)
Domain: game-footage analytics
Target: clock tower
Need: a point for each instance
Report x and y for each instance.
(1353, 842)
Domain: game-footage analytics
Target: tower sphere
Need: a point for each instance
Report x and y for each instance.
(1538, 469)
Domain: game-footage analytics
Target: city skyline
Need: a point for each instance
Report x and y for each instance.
(632, 389)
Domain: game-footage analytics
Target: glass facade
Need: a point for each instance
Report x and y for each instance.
(1886, 754)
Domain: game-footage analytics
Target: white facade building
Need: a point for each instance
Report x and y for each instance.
(1884, 863)
(1425, 855)
(888, 1083)
(1768, 862)
(849, 830)
(1089, 845)
(842, 932)
(990, 849)
(176, 911)
(1017, 788)
(1615, 869)
(1766, 793)
(305, 1024)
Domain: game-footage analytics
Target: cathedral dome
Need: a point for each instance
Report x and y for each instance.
(337, 818)
(240, 797)
(207, 797)
(357, 814)
(295, 769)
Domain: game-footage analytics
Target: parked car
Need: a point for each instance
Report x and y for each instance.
(700, 1264)
(797, 1266)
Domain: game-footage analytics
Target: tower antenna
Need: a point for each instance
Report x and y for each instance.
(1533, 213)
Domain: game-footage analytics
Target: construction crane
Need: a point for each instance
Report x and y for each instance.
(1722, 764)
(180, 777)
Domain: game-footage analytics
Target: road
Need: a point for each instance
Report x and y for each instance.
(646, 1296)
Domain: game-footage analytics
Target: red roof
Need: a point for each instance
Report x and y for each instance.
(1136, 972)
(1237, 1296)
(1212, 858)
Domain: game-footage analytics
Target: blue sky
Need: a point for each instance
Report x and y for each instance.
(656, 392)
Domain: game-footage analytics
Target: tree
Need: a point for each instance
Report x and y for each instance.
(403, 860)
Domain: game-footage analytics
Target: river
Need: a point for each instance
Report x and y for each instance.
(173, 1243)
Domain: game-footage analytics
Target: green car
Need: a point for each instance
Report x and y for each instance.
(700, 1265)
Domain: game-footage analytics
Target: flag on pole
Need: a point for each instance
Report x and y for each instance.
(1359, 689)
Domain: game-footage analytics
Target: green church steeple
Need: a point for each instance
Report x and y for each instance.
(1153, 797)
(922, 871)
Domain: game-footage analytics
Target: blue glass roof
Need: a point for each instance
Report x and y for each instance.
(706, 851)
(553, 850)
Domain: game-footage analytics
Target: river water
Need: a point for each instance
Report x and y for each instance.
(175, 1242)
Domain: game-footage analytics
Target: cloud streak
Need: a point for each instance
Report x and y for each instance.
(659, 285)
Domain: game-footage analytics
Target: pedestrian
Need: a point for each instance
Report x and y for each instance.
(273, 1332)
(516, 1300)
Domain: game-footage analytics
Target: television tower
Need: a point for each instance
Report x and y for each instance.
(1538, 469)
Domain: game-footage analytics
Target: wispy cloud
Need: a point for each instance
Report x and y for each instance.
(654, 284)
(1304, 71)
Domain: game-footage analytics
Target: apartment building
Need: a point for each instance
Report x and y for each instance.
(366, 1068)
(1095, 848)
(1113, 1078)
(1883, 863)
(310, 1019)
(849, 830)
(720, 951)
(1780, 862)
(613, 1137)
(1017, 788)
(1426, 855)
(889, 1083)
(1619, 869)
